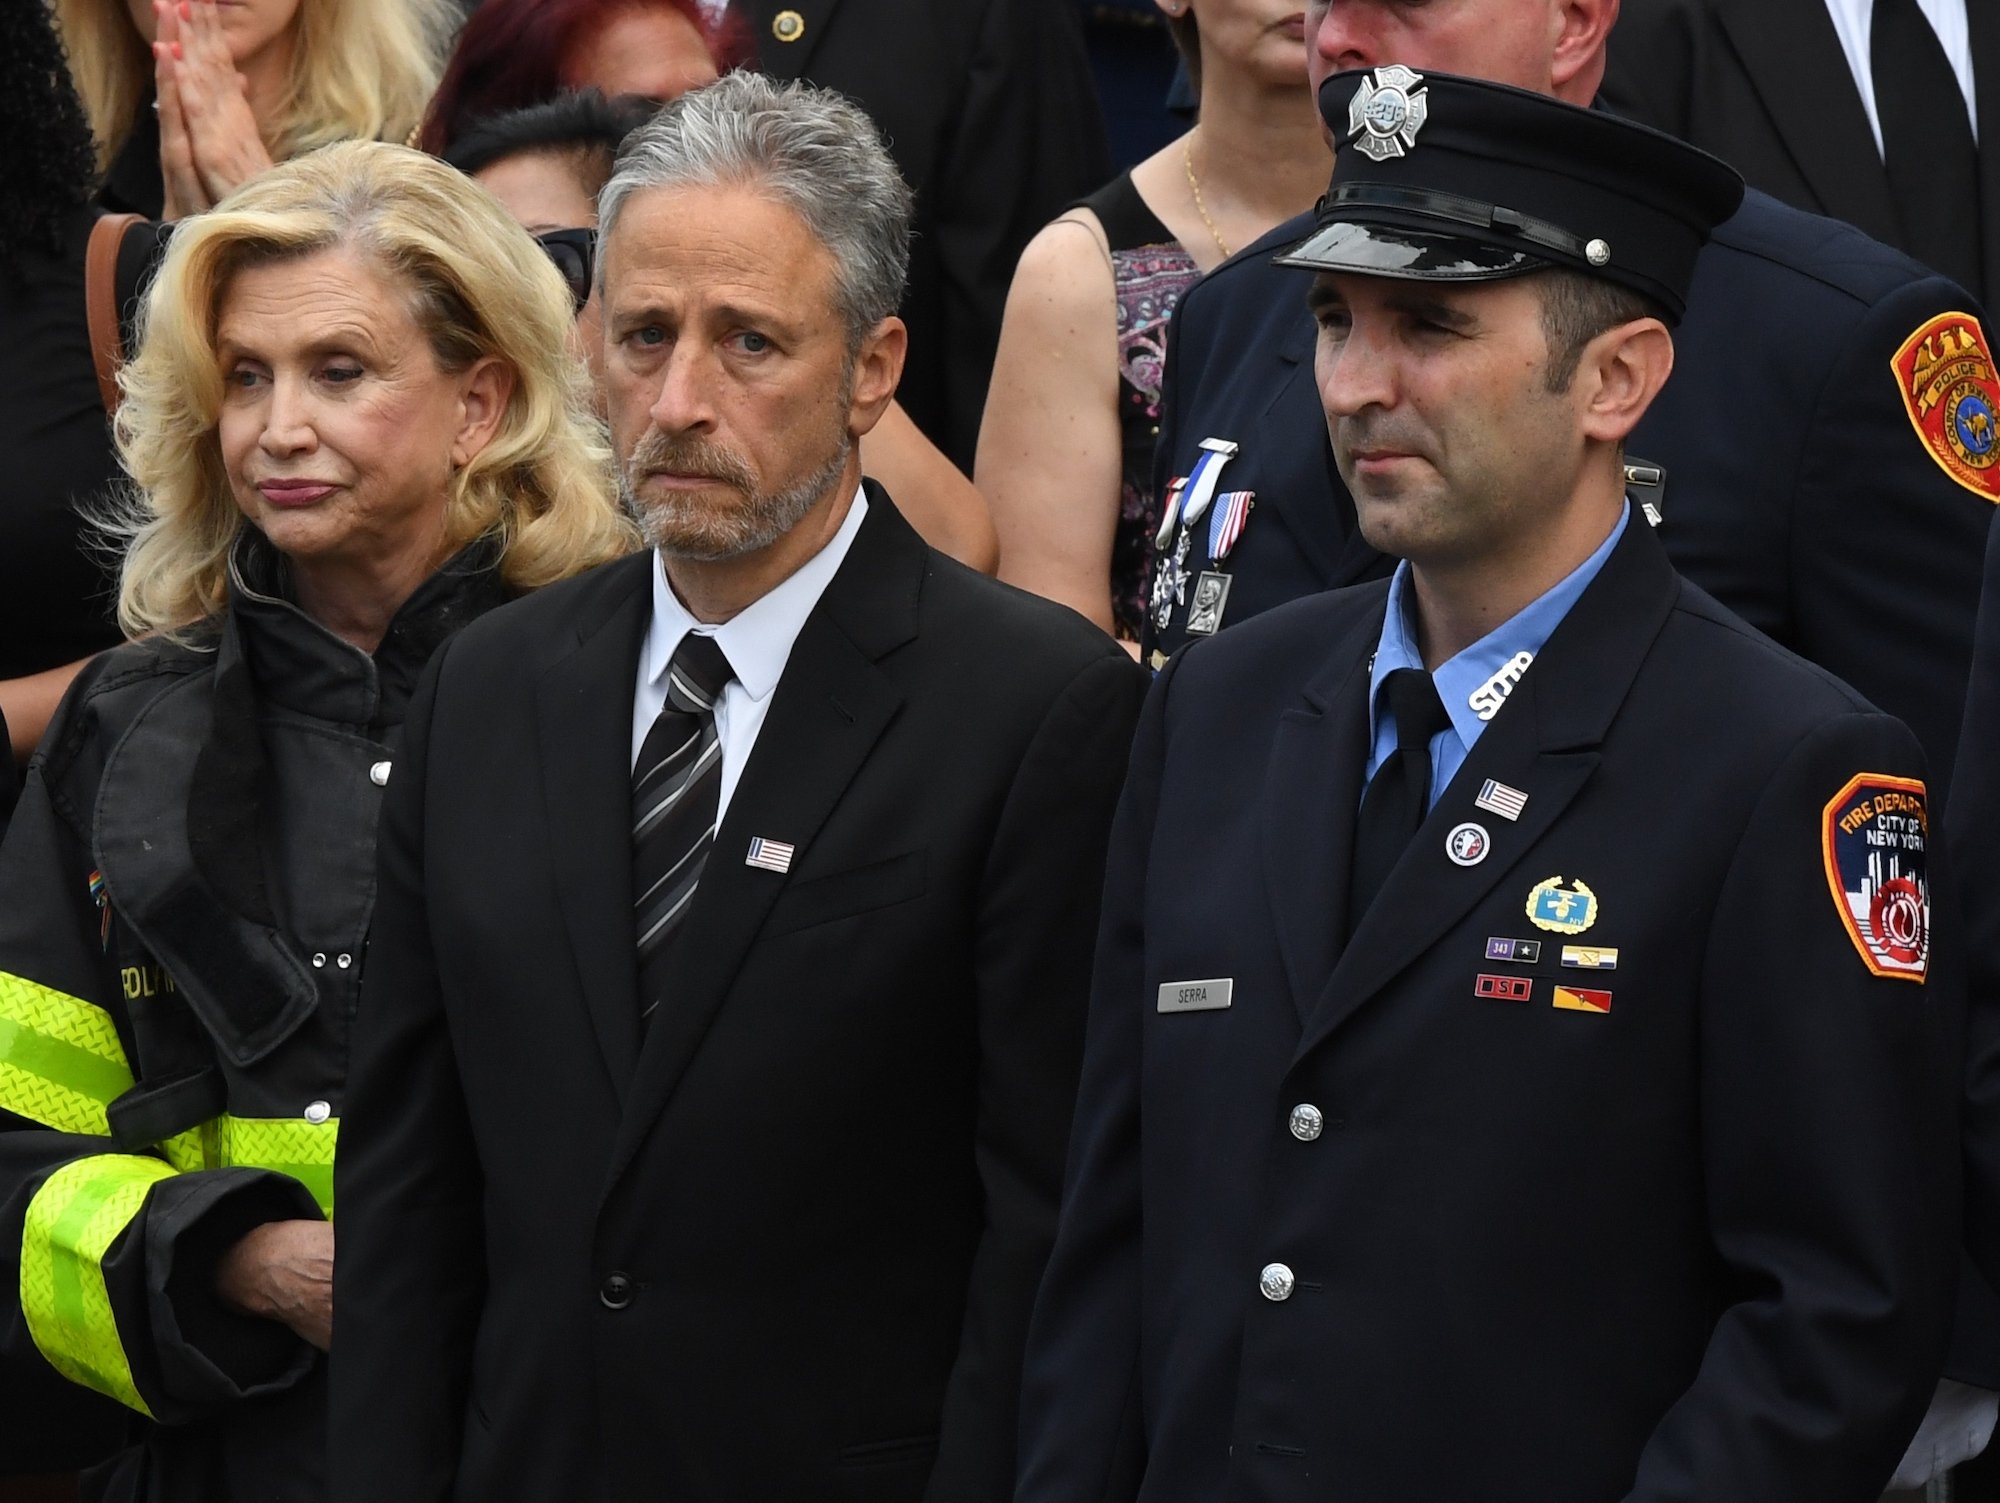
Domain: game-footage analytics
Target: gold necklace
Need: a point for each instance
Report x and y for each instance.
(1194, 187)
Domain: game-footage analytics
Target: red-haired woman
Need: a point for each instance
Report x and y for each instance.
(517, 53)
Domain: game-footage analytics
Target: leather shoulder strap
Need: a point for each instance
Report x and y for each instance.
(100, 295)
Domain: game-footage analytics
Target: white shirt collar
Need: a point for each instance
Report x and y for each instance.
(758, 639)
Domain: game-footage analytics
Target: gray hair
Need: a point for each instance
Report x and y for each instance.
(814, 150)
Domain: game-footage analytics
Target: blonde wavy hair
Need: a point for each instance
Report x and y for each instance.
(478, 286)
(362, 70)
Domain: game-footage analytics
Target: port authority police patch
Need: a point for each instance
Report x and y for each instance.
(1873, 835)
(1946, 375)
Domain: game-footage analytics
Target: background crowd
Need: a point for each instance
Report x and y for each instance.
(195, 192)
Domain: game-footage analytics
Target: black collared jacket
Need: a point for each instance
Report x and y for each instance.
(185, 899)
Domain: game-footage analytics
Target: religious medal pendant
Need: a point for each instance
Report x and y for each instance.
(1170, 584)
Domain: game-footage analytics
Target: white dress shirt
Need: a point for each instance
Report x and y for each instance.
(757, 640)
(1852, 20)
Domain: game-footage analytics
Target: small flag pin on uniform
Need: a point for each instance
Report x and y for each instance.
(1498, 798)
(769, 855)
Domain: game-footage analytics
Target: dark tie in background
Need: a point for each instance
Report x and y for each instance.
(676, 786)
(1399, 794)
(1927, 144)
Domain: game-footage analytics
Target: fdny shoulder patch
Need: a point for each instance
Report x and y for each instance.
(1873, 836)
(1946, 376)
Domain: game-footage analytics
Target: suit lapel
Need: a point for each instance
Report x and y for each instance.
(1793, 56)
(1983, 21)
(583, 713)
(1295, 409)
(831, 706)
(1545, 744)
(786, 33)
(1317, 759)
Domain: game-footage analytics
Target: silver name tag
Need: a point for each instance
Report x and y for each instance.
(1195, 996)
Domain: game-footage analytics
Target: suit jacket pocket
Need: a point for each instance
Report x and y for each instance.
(859, 889)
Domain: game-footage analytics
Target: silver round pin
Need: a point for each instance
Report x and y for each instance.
(1598, 252)
(1468, 844)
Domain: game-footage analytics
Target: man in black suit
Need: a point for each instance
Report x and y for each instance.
(1791, 92)
(1520, 1063)
(1809, 483)
(991, 112)
(723, 1014)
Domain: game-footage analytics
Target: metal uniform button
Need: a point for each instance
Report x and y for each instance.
(318, 1112)
(788, 26)
(379, 774)
(1275, 1282)
(1307, 1123)
(344, 961)
(319, 962)
(615, 1293)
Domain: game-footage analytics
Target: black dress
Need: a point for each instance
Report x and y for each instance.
(56, 592)
(1150, 271)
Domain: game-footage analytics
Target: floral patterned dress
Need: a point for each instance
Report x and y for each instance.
(1150, 272)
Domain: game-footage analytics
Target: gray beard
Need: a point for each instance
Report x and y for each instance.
(692, 527)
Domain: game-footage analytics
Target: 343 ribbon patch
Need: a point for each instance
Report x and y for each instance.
(1873, 835)
(1945, 373)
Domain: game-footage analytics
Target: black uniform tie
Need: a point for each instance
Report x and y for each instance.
(1927, 144)
(676, 787)
(1399, 795)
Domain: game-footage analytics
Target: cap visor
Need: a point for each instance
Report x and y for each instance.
(1382, 250)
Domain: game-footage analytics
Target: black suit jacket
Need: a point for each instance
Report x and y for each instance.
(787, 1247)
(1766, 86)
(1697, 1246)
(1797, 491)
(992, 116)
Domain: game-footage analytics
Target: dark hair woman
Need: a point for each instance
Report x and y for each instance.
(55, 597)
(516, 53)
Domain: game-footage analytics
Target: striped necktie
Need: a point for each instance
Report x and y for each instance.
(676, 786)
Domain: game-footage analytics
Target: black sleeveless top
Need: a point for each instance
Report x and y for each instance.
(1150, 272)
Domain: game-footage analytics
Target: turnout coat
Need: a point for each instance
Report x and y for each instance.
(784, 1246)
(1665, 1210)
(185, 896)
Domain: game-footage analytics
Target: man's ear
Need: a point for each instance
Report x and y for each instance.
(1621, 372)
(878, 367)
(483, 393)
(1580, 29)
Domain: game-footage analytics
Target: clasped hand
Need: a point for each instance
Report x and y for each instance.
(209, 141)
(283, 1271)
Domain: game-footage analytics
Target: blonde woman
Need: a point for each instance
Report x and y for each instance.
(188, 99)
(354, 425)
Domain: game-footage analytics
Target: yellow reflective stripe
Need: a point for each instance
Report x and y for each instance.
(190, 1150)
(60, 1060)
(289, 1145)
(71, 1223)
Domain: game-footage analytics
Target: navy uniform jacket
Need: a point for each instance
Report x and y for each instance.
(1972, 830)
(1699, 1245)
(1798, 491)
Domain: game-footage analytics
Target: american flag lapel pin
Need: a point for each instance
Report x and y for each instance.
(1498, 798)
(769, 855)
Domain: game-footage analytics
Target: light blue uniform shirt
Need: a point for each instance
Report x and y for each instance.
(1459, 678)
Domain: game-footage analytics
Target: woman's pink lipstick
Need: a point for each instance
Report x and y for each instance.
(294, 492)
